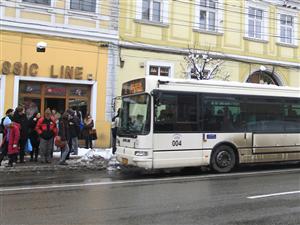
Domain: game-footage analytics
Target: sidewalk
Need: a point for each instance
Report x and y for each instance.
(95, 159)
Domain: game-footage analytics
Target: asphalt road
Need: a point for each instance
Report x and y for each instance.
(247, 197)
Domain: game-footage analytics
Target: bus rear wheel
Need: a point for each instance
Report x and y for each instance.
(223, 159)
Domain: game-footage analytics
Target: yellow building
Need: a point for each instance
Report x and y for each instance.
(59, 54)
(257, 41)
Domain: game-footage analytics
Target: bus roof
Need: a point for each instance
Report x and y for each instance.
(215, 86)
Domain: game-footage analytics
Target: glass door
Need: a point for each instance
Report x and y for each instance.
(57, 104)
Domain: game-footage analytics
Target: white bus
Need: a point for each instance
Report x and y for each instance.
(168, 123)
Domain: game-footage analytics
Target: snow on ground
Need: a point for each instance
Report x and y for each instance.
(89, 153)
(98, 158)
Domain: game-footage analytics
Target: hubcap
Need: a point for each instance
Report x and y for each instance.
(223, 159)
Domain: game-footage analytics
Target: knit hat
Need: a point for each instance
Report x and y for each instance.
(71, 112)
(47, 111)
(19, 109)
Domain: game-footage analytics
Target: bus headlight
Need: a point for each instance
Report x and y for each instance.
(136, 144)
(140, 153)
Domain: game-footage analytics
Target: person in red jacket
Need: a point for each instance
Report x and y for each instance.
(47, 130)
(11, 140)
(13, 143)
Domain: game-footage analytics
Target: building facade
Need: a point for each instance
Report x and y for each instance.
(257, 41)
(58, 55)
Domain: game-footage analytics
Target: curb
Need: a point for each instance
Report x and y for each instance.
(55, 167)
(50, 168)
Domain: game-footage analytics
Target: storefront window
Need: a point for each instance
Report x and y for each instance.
(55, 90)
(80, 105)
(31, 105)
(78, 91)
(36, 97)
(30, 88)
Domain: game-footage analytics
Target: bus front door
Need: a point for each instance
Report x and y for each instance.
(171, 150)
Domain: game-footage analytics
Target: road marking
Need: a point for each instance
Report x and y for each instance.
(150, 181)
(274, 194)
(158, 180)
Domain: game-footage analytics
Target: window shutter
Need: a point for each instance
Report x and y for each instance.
(295, 31)
(165, 11)
(139, 5)
(247, 21)
(265, 20)
(220, 16)
(197, 14)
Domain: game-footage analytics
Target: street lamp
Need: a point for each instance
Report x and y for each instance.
(41, 46)
(262, 69)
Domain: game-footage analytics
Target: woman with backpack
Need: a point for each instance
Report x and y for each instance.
(11, 140)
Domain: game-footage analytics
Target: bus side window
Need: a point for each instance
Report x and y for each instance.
(165, 107)
(227, 123)
(292, 116)
(222, 114)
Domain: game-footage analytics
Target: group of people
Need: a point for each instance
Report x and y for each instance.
(43, 133)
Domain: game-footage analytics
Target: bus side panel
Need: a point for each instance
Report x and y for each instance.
(175, 159)
(276, 143)
(271, 148)
(177, 150)
(241, 141)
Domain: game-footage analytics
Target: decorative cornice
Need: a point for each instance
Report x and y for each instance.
(183, 51)
(68, 32)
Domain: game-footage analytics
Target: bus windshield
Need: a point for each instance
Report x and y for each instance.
(135, 115)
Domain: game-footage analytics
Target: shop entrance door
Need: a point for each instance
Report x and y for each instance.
(58, 104)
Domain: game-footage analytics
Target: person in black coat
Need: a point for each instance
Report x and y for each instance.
(114, 129)
(9, 113)
(34, 136)
(20, 118)
(64, 134)
(74, 126)
(88, 125)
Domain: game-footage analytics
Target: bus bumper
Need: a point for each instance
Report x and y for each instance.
(126, 157)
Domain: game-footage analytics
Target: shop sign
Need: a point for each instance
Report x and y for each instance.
(27, 69)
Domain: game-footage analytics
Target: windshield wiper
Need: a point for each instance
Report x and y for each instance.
(127, 135)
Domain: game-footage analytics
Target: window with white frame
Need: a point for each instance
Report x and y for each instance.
(41, 2)
(163, 71)
(83, 5)
(208, 15)
(255, 23)
(152, 10)
(159, 68)
(286, 28)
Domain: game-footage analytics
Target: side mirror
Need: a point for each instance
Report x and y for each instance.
(156, 96)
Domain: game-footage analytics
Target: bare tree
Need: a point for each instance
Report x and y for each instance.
(202, 66)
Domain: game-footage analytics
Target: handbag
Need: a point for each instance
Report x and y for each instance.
(93, 134)
(81, 126)
(59, 143)
(28, 146)
(1, 148)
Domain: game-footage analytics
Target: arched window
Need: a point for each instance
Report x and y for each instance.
(262, 77)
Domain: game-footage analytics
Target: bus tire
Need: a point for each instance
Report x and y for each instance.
(223, 159)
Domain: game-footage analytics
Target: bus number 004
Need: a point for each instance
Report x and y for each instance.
(176, 143)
